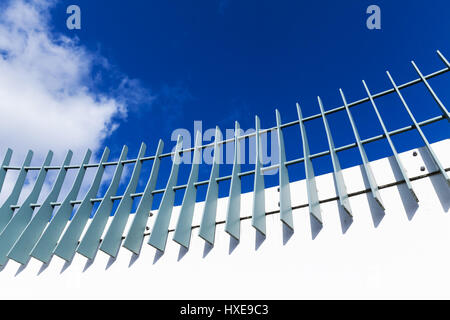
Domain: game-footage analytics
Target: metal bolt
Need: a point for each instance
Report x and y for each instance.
(415, 153)
(422, 168)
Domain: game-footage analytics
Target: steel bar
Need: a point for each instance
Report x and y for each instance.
(66, 247)
(91, 239)
(433, 94)
(135, 236)
(6, 211)
(422, 135)
(337, 171)
(22, 248)
(366, 165)
(311, 187)
(45, 247)
(3, 169)
(160, 230)
(259, 201)
(25, 210)
(233, 214)
(183, 229)
(208, 223)
(391, 144)
(269, 168)
(113, 237)
(263, 131)
(20, 220)
(285, 190)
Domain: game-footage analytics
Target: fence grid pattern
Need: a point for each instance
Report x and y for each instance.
(43, 234)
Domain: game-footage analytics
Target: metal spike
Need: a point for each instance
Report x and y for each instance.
(285, 190)
(91, 239)
(367, 168)
(113, 238)
(5, 211)
(183, 229)
(422, 135)
(259, 201)
(391, 144)
(66, 247)
(311, 188)
(5, 163)
(22, 248)
(133, 240)
(337, 171)
(160, 231)
(208, 224)
(233, 220)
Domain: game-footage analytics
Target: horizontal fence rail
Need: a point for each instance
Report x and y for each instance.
(44, 234)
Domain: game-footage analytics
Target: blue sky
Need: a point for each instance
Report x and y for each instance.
(224, 60)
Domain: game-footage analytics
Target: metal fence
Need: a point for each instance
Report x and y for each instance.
(33, 230)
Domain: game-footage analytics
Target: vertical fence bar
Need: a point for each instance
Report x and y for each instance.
(183, 229)
(433, 94)
(5, 211)
(259, 200)
(44, 248)
(208, 224)
(391, 144)
(89, 244)
(233, 216)
(422, 135)
(113, 237)
(66, 247)
(26, 209)
(22, 248)
(311, 187)
(367, 168)
(160, 231)
(135, 236)
(337, 171)
(23, 216)
(285, 190)
(5, 163)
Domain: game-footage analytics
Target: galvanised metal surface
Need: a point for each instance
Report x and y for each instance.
(18, 223)
(419, 129)
(91, 239)
(24, 235)
(391, 144)
(337, 171)
(366, 165)
(113, 237)
(66, 247)
(183, 229)
(158, 237)
(259, 199)
(285, 189)
(208, 223)
(33, 231)
(135, 236)
(6, 211)
(311, 188)
(233, 220)
(5, 163)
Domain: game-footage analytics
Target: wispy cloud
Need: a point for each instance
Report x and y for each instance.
(48, 93)
(52, 89)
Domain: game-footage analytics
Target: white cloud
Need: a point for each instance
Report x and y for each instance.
(48, 98)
